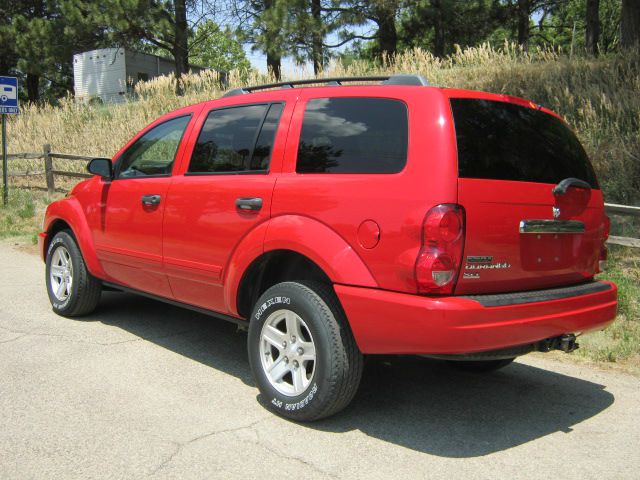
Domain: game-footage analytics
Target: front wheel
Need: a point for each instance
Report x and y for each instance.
(72, 290)
(302, 353)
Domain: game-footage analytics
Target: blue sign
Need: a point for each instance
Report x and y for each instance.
(9, 95)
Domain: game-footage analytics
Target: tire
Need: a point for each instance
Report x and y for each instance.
(72, 290)
(480, 366)
(316, 373)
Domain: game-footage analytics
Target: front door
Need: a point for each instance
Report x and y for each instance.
(128, 233)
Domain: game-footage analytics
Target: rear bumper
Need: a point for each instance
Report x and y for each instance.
(398, 323)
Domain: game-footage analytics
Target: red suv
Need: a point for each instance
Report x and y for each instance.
(337, 221)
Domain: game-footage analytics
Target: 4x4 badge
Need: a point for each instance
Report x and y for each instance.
(479, 259)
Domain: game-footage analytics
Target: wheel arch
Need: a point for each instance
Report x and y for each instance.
(273, 267)
(67, 214)
(290, 247)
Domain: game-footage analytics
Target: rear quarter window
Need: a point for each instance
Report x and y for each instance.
(353, 135)
(503, 141)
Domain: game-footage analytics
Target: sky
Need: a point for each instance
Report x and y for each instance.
(259, 60)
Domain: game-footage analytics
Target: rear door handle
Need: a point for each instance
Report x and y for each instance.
(561, 188)
(249, 204)
(150, 200)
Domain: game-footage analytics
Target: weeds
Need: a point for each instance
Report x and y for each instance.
(599, 97)
(22, 216)
(620, 342)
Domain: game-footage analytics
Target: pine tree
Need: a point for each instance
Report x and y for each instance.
(592, 28)
(382, 13)
(438, 25)
(630, 24)
(265, 24)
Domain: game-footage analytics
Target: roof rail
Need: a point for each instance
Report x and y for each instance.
(400, 79)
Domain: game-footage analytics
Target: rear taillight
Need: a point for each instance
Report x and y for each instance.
(602, 262)
(440, 256)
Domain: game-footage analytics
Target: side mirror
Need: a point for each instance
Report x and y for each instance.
(101, 167)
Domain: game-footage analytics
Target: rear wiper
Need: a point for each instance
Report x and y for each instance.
(561, 188)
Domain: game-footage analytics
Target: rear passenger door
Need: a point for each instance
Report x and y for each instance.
(347, 166)
(224, 192)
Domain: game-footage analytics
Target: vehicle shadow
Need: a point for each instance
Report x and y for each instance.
(418, 403)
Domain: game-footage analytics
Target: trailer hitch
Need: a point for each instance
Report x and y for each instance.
(567, 343)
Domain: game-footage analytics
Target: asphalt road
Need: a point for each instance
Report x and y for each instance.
(142, 389)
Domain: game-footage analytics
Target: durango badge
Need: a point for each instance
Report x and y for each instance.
(487, 266)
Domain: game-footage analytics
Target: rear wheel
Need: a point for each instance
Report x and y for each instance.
(303, 356)
(72, 290)
(480, 366)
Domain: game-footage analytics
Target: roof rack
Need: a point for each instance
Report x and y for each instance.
(400, 79)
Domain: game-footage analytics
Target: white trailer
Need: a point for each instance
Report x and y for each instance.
(108, 74)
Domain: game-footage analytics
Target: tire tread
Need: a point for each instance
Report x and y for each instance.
(346, 361)
(88, 288)
(351, 362)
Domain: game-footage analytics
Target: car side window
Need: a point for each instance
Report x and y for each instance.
(236, 140)
(353, 135)
(154, 152)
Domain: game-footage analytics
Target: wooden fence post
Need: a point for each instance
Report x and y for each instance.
(48, 169)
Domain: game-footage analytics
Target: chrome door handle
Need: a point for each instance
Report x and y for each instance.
(150, 200)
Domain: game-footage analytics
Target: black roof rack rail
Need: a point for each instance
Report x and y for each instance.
(400, 79)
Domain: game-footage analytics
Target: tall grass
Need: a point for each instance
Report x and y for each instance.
(620, 343)
(599, 97)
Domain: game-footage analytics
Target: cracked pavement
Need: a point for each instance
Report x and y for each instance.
(142, 389)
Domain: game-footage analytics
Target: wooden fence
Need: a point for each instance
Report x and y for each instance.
(623, 210)
(50, 173)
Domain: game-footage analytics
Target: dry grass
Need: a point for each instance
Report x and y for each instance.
(599, 97)
(618, 346)
(621, 341)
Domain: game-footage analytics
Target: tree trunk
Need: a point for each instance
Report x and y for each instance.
(385, 12)
(317, 37)
(33, 90)
(273, 41)
(273, 65)
(181, 46)
(592, 30)
(438, 29)
(523, 24)
(630, 24)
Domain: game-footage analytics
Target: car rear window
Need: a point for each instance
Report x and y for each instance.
(353, 135)
(503, 141)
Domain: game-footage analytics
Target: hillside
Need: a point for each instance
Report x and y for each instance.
(600, 98)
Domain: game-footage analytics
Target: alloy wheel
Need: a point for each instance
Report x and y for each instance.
(287, 352)
(61, 273)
